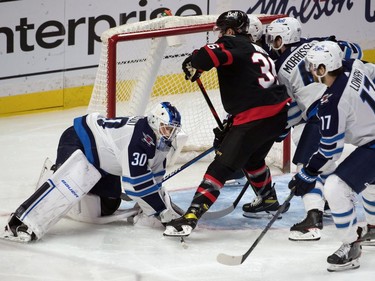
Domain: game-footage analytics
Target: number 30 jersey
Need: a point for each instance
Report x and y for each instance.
(125, 147)
(247, 78)
(347, 115)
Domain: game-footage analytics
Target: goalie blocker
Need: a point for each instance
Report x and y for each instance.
(52, 200)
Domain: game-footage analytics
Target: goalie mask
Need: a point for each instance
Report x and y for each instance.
(235, 19)
(165, 120)
(327, 54)
(288, 28)
(255, 28)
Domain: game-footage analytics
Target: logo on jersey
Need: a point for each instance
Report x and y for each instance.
(325, 98)
(148, 140)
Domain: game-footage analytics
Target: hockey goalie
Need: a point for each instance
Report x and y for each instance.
(97, 160)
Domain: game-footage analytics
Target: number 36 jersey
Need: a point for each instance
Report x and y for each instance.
(247, 77)
(347, 115)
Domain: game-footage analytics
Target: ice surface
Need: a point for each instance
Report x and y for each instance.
(120, 251)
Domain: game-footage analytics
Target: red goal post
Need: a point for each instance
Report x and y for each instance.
(140, 65)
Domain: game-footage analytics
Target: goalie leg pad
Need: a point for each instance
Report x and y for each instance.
(58, 194)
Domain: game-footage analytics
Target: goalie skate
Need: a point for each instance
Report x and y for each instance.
(17, 233)
(345, 258)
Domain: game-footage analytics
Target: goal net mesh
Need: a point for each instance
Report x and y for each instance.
(140, 65)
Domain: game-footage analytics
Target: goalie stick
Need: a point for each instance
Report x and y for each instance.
(237, 260)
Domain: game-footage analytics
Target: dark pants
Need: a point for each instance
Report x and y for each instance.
(108, 186)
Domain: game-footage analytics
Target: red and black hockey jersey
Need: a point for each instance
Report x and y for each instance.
(247, 78)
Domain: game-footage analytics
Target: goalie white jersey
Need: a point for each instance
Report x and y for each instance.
(126, 147)
(347, 115)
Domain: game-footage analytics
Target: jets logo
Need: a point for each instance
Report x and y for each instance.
(325, 98)
(148, 140)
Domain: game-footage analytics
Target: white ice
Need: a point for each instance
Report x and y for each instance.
(120, 251)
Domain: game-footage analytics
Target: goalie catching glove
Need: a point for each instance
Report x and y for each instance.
(303, 182)
(191, 73)
(221, 133)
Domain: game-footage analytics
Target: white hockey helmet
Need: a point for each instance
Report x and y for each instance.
(288, 28)
(326, 53)
(255, 28)
(165, 120)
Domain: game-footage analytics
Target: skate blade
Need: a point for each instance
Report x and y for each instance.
(172, 232)
(312, 235)
(354, 264)
(261, 215)
(21, 238)
(368, 243)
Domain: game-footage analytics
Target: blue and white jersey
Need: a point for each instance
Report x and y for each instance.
(291, 71)
(307, 98)
(347, 115)
(125, 147)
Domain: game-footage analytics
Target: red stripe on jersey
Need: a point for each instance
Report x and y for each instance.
(212, 55)
(207, 194)
(214, 180)
(259, 112)
(259, 171)
(262, 183)
(229, 54)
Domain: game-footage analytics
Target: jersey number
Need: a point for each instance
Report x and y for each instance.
(139, 159)
(367, 93)
(267, 67)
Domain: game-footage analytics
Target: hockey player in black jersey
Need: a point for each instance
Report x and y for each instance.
(97, 159)
(250, 93)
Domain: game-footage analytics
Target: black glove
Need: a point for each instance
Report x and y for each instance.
(191, 73)
(303, 182)
(284, 134)
(220, 133)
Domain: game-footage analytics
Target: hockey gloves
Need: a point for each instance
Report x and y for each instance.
(191, 73)
(303, 182)
(221, 133)
(284, 134)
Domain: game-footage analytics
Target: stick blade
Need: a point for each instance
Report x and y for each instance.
(218, 214)
(229, 260)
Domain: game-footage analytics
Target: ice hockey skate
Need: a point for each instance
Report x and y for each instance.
(367, 235)
(16, 231)
(345, 258)
(263, 207)
(309, 228)
(182, 226)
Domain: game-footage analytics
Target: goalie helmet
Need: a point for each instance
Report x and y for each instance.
(235, 19)
(165, 120)
(288, 28)
(255, 28)
(326, 53)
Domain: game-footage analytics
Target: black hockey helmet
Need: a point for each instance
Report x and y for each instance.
(235, 19)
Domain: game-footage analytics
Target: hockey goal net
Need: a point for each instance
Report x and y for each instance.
(140, 65)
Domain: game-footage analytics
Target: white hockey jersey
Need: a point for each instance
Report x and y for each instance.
(291, 72)
(126, 147)
(307, 97)
(347, 115)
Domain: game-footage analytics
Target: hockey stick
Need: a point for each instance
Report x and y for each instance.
(219, 123)
(175, 172)
(218, 214)
(237, 260)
